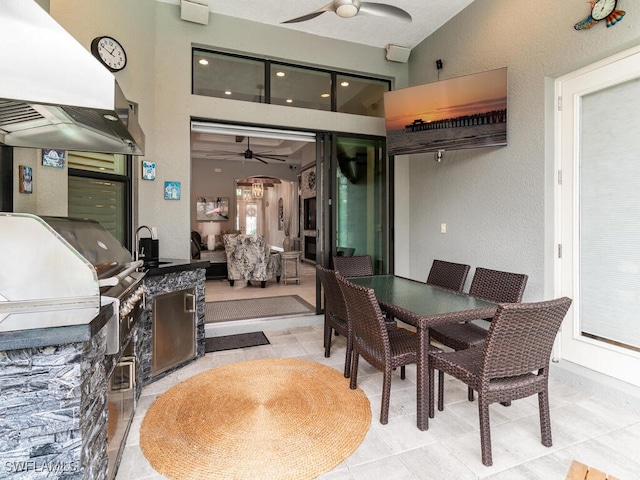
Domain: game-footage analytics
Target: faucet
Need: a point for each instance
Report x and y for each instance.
(136, 255)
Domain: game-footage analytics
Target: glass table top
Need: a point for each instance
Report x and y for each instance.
(419, 298)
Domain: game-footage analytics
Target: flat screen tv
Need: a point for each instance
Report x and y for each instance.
(462, 112)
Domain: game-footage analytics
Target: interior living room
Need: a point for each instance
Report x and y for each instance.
(556, 201)
(277, 209)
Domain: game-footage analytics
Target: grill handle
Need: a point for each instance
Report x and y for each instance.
(189, 302)
(115, 280)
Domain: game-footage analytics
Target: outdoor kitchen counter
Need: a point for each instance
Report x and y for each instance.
(171, 265)
(169, 276)
(50, 336)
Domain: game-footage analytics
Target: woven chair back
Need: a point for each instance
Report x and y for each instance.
(451, 276)
(334, 301)
(355, 266)
(367, 322)
(521, 337)
(498, 286)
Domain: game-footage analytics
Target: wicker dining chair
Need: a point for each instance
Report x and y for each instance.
(335, 314)
(359, 266)
(513, 363)
(385, 349)
(354, 266)
(449, 275)
(493, 285)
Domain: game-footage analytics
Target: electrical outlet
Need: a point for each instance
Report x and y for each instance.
(154, 233)
(443, 228)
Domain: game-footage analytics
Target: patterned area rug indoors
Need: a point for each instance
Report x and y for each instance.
(256, 308)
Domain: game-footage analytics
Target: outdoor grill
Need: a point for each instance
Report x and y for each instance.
(59, 272)
(64, 272)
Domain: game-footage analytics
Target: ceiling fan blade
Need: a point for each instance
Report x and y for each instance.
(309, 16)
(384, 10)
(304, 18)
(219, 153)
(271, 157)
(265, 153)
(255, 157)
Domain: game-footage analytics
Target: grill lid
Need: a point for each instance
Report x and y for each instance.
(53, 269)
(93, 242)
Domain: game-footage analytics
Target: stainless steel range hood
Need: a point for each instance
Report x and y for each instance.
(54, 93)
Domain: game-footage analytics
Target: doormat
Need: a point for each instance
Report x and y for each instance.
(231, 342)
(256, 308)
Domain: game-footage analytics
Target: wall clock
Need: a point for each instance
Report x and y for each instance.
(110, 53)
(601, 10)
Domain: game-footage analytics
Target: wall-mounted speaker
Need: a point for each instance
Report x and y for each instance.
(194, 12)
(398, 54)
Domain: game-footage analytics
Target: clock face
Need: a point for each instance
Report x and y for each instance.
(109, 51)
(602, 9)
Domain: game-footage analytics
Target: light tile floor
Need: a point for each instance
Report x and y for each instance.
(584, 427)
(218, 290)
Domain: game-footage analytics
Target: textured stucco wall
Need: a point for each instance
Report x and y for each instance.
(496, 202)
(158, 77)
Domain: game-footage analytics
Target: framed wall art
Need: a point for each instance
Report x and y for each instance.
(212, 209)
(53, 158)
(26, 179)
(148, 170)
(172, 190)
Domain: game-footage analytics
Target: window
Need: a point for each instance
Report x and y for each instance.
(226, 76)
(300, 87)
(237, 77)
(100, 189)
(360, 96)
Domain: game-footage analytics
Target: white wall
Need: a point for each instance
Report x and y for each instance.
(158, 77)
(496, 201)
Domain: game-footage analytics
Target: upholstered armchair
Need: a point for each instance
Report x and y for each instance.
(249, 258)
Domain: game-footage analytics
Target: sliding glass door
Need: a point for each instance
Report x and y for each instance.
(354, 208)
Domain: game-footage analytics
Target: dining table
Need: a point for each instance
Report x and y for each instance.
(424, 306)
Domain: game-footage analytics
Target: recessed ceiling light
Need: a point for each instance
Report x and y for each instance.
(345, 84)
(280, 74)
(325, 95)
(108, 116)
(289, 100)
(228, 92)
(203, 61)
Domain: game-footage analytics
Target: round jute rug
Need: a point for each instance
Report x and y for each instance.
(262, 419)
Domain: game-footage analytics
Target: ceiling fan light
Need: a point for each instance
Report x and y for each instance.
(347, 11)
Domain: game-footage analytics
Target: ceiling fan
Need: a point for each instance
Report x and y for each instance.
(351, 8)
(249, 154)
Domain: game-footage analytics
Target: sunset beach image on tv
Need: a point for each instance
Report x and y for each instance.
(462, 112)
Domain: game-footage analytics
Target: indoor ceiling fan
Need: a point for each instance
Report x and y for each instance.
(249, 154)
(351, 8)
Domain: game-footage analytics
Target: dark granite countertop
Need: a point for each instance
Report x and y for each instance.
(171, 265)
(44, 337)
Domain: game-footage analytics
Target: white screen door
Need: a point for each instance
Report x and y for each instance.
(599, 215)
